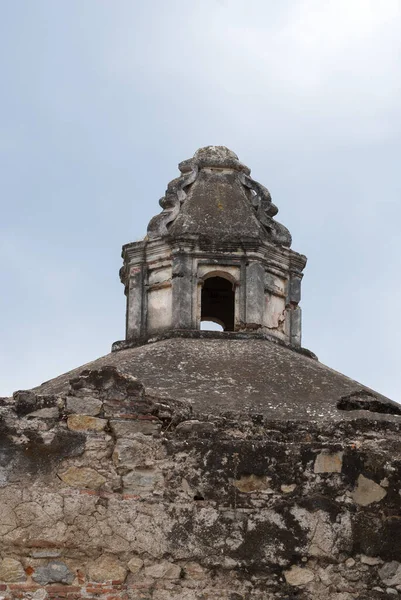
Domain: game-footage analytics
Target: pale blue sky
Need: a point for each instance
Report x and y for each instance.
(100, 99)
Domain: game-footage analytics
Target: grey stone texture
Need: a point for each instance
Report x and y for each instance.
(53, 572)
(83, 406)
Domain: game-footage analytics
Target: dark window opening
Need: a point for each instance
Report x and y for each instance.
(217, 302)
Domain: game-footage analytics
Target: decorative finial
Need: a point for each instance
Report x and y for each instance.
(218, 159)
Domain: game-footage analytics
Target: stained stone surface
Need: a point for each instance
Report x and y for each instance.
(368, 491)
(328, 463)
(53, 572)
(298, 576)
(82, 477)
(11, 570)
(83, 406)
(107, 568)
(85, 423)
(216, 198)
(209, 504)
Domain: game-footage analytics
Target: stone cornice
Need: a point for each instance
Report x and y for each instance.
(209, 335)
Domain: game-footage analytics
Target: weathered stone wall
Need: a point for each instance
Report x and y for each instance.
(109, 493)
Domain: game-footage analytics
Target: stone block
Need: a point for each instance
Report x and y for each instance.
(82, 477)
(129, 453)
(135, 564)
(85, 423)
(45, 413)
(143, 481)
(45, 553)
(54, 572)
(140, 452)
(328, 462)
(288, 488)
(371, 560)
(390, 573)
(25, 401)
(349, 563)
(129, 429)
(11, 570)
(163, 570)
(298, 576)
(83, 406)
(127, 406)
(40, 594)
(367, 491)
(107, 568)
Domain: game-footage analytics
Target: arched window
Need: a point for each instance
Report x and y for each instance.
(217, 302)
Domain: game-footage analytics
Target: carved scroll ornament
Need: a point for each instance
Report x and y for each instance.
(221, 158)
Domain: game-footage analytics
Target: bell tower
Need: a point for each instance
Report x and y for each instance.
(214, 253)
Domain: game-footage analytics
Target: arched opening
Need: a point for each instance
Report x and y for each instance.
(217, 302)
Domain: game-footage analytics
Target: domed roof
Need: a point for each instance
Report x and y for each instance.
(217, 372)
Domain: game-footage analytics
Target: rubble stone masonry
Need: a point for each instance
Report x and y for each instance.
(109, 493)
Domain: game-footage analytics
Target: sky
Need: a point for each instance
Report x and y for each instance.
(101, 99)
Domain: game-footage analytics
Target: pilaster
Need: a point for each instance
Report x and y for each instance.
(136, 302)
(255, 294)
(182, 290)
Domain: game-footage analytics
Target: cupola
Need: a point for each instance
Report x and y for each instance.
(214, 253)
